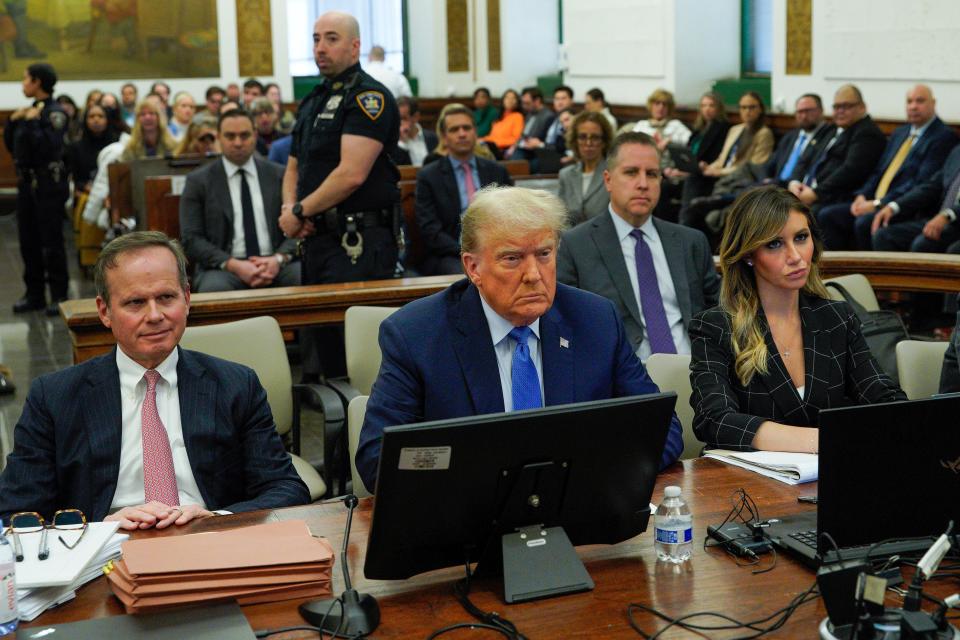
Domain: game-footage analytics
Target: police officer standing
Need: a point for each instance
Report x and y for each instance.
(340, 189)
(34, 136)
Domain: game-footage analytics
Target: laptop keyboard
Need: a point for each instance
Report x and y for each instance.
(809, 539)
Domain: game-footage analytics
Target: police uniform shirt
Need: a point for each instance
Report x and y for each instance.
(356, 104)
(38, 142)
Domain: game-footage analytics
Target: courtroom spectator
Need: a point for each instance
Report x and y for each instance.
(232, 94)
(777, 350)
(749, 142)
(914, 153)
(252, 89)
(184, 108)
(265, 120)
(229, 214)
(705, 144)
(581, 185)
(286, 119)
(80, 157)
(565, 118)
(846, 159)
(480, 149)
(213, 98)
(555, 134)
(93, 97)
(484, 113)
(658, 274)
(96, 211)
(393, 80)
(800, 144)
(280, 150)
(462, 173)
(200, 138)
(451, 354)
(74, 120)
(230, 105)
(149, 137)
(111, 107)
(162, 89)
(508, 127)
(596, 101)
(537, 120)
(929, 214)
(415, 142)
(950, 370)
(128, 103)
(661, 125)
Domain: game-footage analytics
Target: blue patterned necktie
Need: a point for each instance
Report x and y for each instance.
(525, 385)
(792, 161)
(651, 302)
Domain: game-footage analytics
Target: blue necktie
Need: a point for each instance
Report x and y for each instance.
(792, 160)
(523, 375)
(651, 302)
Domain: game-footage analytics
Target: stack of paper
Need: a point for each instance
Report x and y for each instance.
(791, 468)
(42, 584)
(262, 563)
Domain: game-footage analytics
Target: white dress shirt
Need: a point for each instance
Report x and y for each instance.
(503, 347)
(664, 280)
(133, 390)
(393, 80)
(416, 147)
(239, 248)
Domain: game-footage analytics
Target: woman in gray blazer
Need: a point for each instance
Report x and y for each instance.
(581, 184)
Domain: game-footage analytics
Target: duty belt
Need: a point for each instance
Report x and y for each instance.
(349, 225)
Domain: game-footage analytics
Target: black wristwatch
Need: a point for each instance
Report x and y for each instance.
(298, 210)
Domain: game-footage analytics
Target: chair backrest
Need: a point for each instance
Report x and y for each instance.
(859, 287)
(355, 412)
(919, 363)
(671, 372)
(361, 328)
(258, 344)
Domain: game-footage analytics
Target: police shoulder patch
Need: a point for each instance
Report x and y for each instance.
(58, 119)
(371, 103)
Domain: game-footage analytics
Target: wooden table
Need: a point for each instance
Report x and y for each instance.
(624, 573)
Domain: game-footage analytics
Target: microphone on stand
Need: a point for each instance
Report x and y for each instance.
(359, 612)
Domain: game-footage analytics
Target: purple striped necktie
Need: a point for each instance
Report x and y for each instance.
(651, 302)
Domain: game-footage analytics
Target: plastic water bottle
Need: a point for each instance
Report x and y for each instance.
(8, 589)
(673, 526)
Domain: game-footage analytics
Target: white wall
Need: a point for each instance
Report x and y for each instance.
(11, 96)
(882, 46)
(628, 48)
(528, 36)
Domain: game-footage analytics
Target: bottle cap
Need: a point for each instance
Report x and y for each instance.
(671, 492)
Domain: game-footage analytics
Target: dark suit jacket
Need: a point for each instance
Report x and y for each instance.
(438, 206)
(950, 372)
(541, 121)
(206, 213)
(925, 198)
(590, 258)
(839, 370)
(925, 158)
(711, 140)
(784, 149)
(438, 363)
(848, 162)
(66, 451)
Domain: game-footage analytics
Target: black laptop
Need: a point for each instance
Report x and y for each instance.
(887, 471)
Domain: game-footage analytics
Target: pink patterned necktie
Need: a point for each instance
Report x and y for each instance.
(468, 180)
(159, 479)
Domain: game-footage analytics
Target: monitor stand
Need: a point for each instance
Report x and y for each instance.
(541, 563)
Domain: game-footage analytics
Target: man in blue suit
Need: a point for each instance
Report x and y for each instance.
(914, 153)
(508, 337)
(150, 434)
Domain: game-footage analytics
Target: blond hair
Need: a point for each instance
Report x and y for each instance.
(510, 211)
(136, 146)
(756, 218)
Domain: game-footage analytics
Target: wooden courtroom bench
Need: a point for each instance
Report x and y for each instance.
(326, 304)
(162, 205)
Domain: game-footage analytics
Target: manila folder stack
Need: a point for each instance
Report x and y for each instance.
(261, 563)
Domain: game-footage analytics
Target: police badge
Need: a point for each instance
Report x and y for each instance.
(371, 103)
(58, 119)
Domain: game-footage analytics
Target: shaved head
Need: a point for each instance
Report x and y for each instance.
(921, 106)
(349, 24)
(336, 43)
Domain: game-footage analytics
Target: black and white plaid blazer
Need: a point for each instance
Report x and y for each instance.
(839, 371)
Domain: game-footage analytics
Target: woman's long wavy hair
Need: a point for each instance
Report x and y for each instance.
(756, 218)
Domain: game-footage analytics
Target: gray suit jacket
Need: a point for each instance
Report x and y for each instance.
(590, 258)
(206, 213)
(583, 205)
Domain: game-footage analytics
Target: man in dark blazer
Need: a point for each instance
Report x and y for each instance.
(148, 434)
(843, 163)
(793, 152)
(599, 255)
(443, 192)
(458, 352)
(927, 218)
(415, 142)
(216, 218)
(915, 152)
(536, 122)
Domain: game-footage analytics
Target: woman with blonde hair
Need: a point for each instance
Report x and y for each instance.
(200, 138)
(581, 185)
(149, 137)
(661, 125)
(776, 350)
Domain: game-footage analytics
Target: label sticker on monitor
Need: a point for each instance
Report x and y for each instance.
(424, 458)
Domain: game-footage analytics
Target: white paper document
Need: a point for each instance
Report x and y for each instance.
(791, 468)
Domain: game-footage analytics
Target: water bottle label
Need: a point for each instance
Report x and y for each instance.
(8, 594)
(673, 536)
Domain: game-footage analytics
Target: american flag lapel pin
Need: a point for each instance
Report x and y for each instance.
(564, 343)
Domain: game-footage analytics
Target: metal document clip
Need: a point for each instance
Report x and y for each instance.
(354, 250)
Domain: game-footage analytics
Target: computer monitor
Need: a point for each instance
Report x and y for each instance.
(523, 486)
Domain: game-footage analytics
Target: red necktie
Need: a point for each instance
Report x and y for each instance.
(159, 478)
(468, 180)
